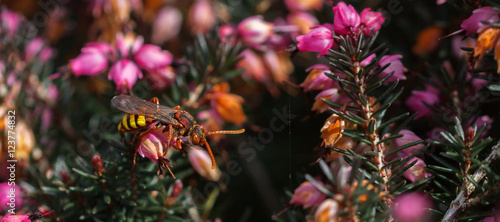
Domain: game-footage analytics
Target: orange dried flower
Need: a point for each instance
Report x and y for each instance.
(427, 40)
(332, 130)
(486, 41)
(228, 105)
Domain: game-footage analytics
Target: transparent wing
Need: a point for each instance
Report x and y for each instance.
(136, 106)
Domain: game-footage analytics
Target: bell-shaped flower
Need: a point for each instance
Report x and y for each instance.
(128, 44)
(327, 211)
(152, 57)
(346, 20)
(201, 162)
(319, 39)
(418, 100)
(307, 195)
(254, 31)
(474, 24)
(124, 73)
(90, 62)
(417, 171)
(167, 25)
(152, 146)
(317, 80)
(37, 47)
(408, 137)
(10, 21)
(372, 21)
(412, 207)
(395, 66)
(201, 17)
(303, 20)
(330, 95)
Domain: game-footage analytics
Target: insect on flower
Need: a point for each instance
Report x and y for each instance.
(177, 123)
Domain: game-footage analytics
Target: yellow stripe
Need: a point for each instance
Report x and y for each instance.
(124, 123)
(132, 122)
(120, 127)
(141, 121)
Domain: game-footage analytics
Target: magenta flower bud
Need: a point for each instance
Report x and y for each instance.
(319, 39)
(307, 195)
(417, 171)
(152, 146)
(303, 5)
(10, 196)
(411, 207)
(416, 101)
(201, 162)
(327, 211)
(396, 66)
(474, 23)
(167, 25)
(346, 20)
(408, 137)
(201, 17)
(128, 44)
(124, 73)
(152, 57)
(372, 21)
(175, 189)
(11, 21)
(303, 20)
(254, 31)
(317, 80)
(90, 62)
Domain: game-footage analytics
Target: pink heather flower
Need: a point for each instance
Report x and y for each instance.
(91, 62)
(201, 17)
(102, 47)
(317, 80)
(227, 33)
(161, 78)
(408, 137)
(346, 20)
(343, 175)
(319, 39)
(474, 23)
(152, 146)
(417, 171)
(303, 5)
(396, 67)
(367, 60)
(124, 73)
(327, 211)
(128, 44)
(253, 65)
(371, 21)
(201, 162)
(303, 20)
(254, 31)
(416, 101)
(330, 95)
(10, 197)
(152, 57)
(411, 207)
(167, 25)
(440, 2)
(307, 195)
(37, 46)
(9, 217)
(11, 21)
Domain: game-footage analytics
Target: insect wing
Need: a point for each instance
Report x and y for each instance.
(136, 106)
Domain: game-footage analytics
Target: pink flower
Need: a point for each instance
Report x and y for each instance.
(328, 94)
(37, 47)
(11, 21)
(128, 44)
(307, 195)
(152, 146)
(124, 73)
(408, 137)
(395, 66)
(10, 196)
(227, 33)
(175, 189)
(253, 65)
(201, 162)
(201, 17)
(303, 20)
(474, 23)
(303, 5)
(417, 171)
(167, 25)
(327, 211)
(416, 101)
(411, 207)
(161, 78)
(480, 121)
(152, 57)
(9, 217)
(102, 47)
(317, 80)
(319, 39)
(254, 31)
(91, 62)
(367, 60)
(371, 21)
(346, 20)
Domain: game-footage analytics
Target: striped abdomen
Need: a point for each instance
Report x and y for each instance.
(132, 122)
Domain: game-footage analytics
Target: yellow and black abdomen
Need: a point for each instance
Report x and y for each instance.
(131, 122)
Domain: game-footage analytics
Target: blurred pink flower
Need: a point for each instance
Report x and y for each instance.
(152, 57)
(317, 80)
(254, 31)
(328, 94)
(10, 21)
(227, 33)
(480, 121)
(9, 217)
(417, 171)
(201, 17)
(303, 20)
(367, 60)
(303, 5)
(253, 65)
(167, 25)
(408, 137)
(128, 44)
(124, 73)
(92, 61)
(474, 23)
(395, 66)
(411, 207)
(346, 20)
(416, 101)
(371, 20)
(161, 78)
(319, 39)
(10, 196)
(37, 47)
(201, 162)
(307, 195)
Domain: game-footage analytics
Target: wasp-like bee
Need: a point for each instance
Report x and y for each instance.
(178, 123)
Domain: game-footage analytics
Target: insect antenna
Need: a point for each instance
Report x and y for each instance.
(225, 132)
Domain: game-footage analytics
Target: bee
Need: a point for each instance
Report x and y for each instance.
(142, 114)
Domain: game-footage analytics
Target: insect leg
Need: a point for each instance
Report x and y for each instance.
(170, 132)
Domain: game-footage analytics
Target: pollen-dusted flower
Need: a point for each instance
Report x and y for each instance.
(201, 17)
(10, 199)
(474, 23)
(486, 41)
(327, 211)
(151, 57)
(201, 162)
(416, 101)
(346, 20)
(427, 40)
(395, 66)
(330, 95)
(307, 195)
(303, 20)
(417, 171)
(167, 25)
(303, 5)
(319, 39)
(411, 207)
(372, 21)
(317, 80)
(254, 31)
